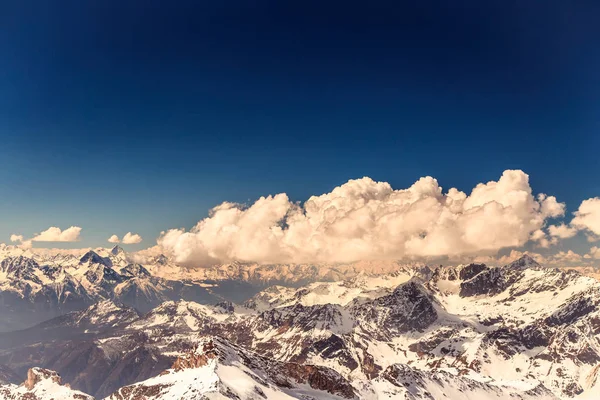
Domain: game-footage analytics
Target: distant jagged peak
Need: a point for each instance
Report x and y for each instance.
(135, 270)
(161, 259)
(524, 262)
(116, 250)
(18, 263)
(413, 289)
(94, 258)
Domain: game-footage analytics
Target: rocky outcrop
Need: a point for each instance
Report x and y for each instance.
(41, 384)
(35, 375)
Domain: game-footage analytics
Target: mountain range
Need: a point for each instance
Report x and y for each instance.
(111, 328)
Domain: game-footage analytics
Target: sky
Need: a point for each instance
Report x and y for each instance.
(140, 117)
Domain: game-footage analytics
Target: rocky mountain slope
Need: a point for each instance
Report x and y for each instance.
(218, 369)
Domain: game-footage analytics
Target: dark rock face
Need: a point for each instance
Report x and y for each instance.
(470, 271)
(319, 378)
(20, 267)
(117, 250)
(305, 318)
(576, 308)
(428, 344)
(409, 308)
(104, 276)
(334, 348)
(135, 270)
(535, 335)
(489, 281)
(94, 258)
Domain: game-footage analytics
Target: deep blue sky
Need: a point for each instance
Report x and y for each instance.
(141, 115)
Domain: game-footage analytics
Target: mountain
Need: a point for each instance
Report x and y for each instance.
(99, 317)
(41, 384)
(400, 381)
(36, 285)
(30, 292)
(467, 331)
(33, 291)
(216, 369)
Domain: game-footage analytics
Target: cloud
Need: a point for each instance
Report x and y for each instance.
(564, 257)
(131, 238)
(594, 253)
(113, 239)
(560, 259)
(562, 231)
(17, 238)
(54, 234)
(507, 258)
(364, 219)
(588, 218)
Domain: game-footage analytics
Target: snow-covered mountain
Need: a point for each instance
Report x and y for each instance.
(36, 285)
(468, 331)
(34, 288)
(41, 384)
(217, 369)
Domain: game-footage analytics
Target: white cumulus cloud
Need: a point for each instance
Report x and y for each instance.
(131, 238)
(17, 238)
(562, 231)
(594, 253)
(364, 219)
(55, 234)
(24, 243)
(114, 239)
(587, 218)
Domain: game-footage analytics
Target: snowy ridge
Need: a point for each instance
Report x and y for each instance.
(216, 369)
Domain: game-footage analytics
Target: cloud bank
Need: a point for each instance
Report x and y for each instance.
(364, 219)
(55, 234)
(588, 218)
(52, 234)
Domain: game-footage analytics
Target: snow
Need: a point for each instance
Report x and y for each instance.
(44, 389)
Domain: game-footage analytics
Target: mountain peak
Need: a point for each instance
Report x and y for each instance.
(524, 262)
(35, 375)
(161, 259)
(94, 258)
(117, 250)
